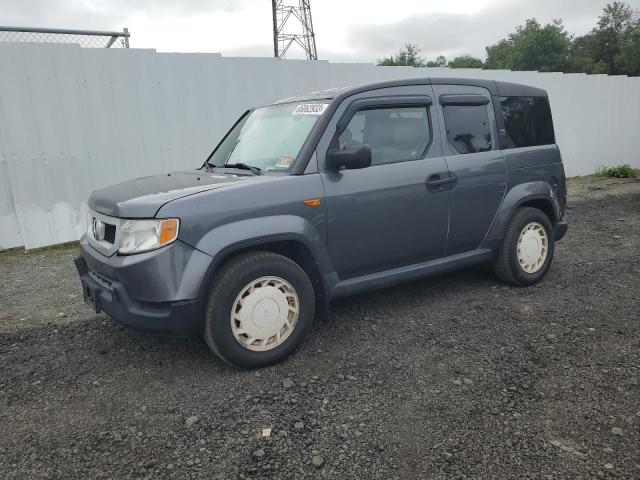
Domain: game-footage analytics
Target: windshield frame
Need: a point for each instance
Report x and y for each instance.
(304, 155)
(206, 162)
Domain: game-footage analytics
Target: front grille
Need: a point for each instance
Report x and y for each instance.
(104, 232)
(109, 233)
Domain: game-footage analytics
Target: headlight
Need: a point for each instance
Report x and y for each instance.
(138, 236)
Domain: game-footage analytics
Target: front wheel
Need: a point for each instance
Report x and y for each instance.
(527, 248)
(260, 307)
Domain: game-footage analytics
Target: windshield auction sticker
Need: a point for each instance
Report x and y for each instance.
(310, 109)
(284, 162)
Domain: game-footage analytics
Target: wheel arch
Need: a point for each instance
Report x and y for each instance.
(541, 203)
(538, 195)
(290, 246)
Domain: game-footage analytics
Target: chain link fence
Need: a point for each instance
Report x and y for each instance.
(84, 38)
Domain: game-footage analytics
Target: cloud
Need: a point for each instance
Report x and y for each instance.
(455, 34)
(253, 50)
(354, 31)
(106, 14)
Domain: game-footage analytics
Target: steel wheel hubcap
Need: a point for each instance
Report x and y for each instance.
(533, 245)
(264, 313)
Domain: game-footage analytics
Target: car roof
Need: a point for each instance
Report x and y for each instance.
(497, 88)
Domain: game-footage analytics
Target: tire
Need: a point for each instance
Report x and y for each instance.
(507, 265)
(236, 287)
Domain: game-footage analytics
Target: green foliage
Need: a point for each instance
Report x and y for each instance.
(628, 60)
(601, 50)
(499, 56)
(617, 17)
(621, 171)
(612, 47)
(409, 56)
(440, 61)
(584, 58)
(466, 61)
(532, 47)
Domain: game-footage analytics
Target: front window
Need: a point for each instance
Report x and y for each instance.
(395, 134)
(269, 138)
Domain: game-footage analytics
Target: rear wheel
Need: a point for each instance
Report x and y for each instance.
(527, 248)
(260, 306)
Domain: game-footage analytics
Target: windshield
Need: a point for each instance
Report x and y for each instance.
(269, 138)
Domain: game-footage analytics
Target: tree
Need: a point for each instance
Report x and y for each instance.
(616, 18)
(532, 47)
(440, 61)
(600, 50)
(584, 57)
(466, 61)
(408, 56)
(611, 47)
(628, 60)
(500, 55)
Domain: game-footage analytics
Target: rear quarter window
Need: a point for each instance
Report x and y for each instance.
(527, 121)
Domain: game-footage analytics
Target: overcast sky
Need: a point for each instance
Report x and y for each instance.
(346, 30)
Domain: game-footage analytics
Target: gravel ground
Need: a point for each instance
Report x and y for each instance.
(456, 376)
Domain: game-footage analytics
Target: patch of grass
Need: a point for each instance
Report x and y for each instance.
(621, 171)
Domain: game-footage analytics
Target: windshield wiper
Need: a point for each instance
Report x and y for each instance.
(244, 166)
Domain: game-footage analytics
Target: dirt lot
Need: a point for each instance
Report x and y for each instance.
(456, 376)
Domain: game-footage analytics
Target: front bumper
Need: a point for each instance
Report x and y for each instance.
(181, 318)
(159, 291)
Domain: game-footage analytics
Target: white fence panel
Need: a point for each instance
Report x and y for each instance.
(74, 120)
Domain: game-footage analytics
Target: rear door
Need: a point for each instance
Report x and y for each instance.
(474, 160)
(386, 215)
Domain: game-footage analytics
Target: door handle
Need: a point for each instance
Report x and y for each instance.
(435, 182)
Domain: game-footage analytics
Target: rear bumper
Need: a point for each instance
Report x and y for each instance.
(560, 229)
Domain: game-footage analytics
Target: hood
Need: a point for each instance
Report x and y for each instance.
(143, 197)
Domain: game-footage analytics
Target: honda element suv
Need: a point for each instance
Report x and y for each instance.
(325, 195)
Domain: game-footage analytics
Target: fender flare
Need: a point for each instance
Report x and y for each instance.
(519, 195)
(229, 238)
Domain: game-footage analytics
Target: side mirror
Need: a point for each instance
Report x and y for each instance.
(351, 157)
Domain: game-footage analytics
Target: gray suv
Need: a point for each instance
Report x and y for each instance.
(325, 195)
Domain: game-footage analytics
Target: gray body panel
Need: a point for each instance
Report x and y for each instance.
(481, 181)
(375, 226)
(533, 174)
(170, 274)
(383, 217)
(142, 197)
(269, 210)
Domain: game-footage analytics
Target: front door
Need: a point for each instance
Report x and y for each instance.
(387, 215)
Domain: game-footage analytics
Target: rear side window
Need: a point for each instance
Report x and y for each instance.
(468, 127)
(528, 121)
(395, 134)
